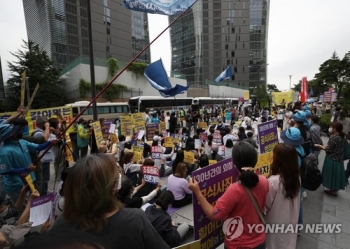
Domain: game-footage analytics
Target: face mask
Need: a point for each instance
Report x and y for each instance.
(330, 130)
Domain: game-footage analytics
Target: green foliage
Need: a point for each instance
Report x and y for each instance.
(138, 68)
(325, 120)
(39, 68)
(272, 88)
(113, 66)
(112, 92)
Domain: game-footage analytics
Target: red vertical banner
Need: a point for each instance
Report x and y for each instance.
(304, 90)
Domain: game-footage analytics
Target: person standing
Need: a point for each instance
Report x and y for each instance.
(147, 118)
(333, 165)
(300, 118)
(83, 136)
(283, 199)
(15, 159)
(315, 129)
(73, 138)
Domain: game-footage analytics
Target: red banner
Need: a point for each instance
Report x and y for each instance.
(304, 90)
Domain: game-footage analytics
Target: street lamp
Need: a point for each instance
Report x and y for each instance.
(290, 82)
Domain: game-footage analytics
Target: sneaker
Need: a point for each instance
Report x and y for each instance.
(304, 194)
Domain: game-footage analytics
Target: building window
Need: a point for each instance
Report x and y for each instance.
(228, 62)
(226, 46)
(235, 69)
(228, 21)
(233, 30)
(105, 3)
(233, 77)
(107, 49)
(243, 5)
(233, 53)
(108, 30)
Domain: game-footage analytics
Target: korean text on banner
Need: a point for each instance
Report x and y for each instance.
(188, 157)
(268, 136)
(140, 125)
(150, 131)
(213, 182)
(168, 142)
(137, 117)
(40, 209)
(106, 127)
(262, 167)
(203, 136)
(98, 133)
(282, 98)
(217, 137)
(156, 152)
(162, 126)
(126, 125)
(32, 116)
(150, 174)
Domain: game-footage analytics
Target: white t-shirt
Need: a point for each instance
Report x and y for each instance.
(166, 120)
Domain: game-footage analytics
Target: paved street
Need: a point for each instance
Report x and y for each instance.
(318, 208)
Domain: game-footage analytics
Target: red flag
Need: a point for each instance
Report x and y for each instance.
(304, 90)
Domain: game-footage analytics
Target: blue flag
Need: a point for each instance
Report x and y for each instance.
(163, 7)
(311, 93)
(157, 77)
(225, 75)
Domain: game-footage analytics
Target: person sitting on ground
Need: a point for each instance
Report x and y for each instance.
(214, 155)
(250, 140)
(161, 220)
(127, 191)
(178, 185)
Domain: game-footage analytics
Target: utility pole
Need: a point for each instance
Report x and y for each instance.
(290, 82)
(92, 65)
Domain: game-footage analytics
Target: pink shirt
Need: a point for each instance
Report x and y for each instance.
(178, 186)
(235, 202)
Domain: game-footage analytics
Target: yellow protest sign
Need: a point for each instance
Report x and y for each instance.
(137, 156)
(212, 162)
(126, 125)
(189, 157)
(168, 142)
(32, 97)
(98, 133)
(203, 125)
(246, 95)
(140, 125)
(192, 245)
(137, 149)
(176, 140)
(162, 126)
(262, 167)
(69, 149)
(23, 86)
(32, 115)
(114, 138)
(282, 98)
(137, 118)
(30, 182)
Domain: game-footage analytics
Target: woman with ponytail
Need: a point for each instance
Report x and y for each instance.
(235, 206)
(170, 232)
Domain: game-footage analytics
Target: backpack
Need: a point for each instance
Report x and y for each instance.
(311, 177)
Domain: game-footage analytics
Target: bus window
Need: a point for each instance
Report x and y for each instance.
(125, 108)
(76, 110)
(103, 110)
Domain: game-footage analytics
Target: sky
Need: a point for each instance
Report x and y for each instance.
(302, 35)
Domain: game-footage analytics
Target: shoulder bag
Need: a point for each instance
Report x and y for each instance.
(255, 204)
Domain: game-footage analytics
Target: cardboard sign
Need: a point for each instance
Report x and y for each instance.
(212, 162)
(262, 167)
(162, 126)
(150, 131)
(150, 174)
(137, 118)
(189, 157)
(30, 182)
(137, 156)
(69, 148)
(197, 143)
(192, 245)
(176, 140)
(268, 136)
(217, 137)
(168, 142)
(98, 133)
(41, 209)
(203, 125)
(126, 125)
(139, 126)
(213, 181)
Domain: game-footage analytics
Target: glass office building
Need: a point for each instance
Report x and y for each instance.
(216, 34)
(60, 27)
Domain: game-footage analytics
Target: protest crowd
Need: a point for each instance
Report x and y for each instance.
(119, 190)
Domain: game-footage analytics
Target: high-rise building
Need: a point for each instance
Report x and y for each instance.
(216, 34)
(60, 27)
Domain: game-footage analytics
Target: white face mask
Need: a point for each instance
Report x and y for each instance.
(330, 130)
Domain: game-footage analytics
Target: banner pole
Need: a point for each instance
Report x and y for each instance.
(115, 77)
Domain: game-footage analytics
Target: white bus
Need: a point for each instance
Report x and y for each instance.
(202, 101)
(143, 103)
(107, 110)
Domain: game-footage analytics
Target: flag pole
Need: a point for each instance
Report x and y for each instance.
(114, 78)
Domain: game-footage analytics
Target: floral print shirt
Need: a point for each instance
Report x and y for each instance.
(335, 148)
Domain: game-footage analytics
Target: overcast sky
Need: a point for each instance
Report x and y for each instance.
(302, 35)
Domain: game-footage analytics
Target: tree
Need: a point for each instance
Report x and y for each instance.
(297, 87)
(272, 88)
(333, 73)
(39, 69)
